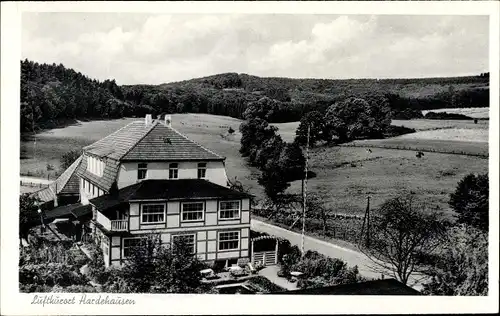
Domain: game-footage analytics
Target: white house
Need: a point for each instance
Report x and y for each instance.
(147, 178)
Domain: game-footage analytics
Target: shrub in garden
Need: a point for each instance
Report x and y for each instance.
(50, 275)
(96, 265)
(75, 289)
(320, 270)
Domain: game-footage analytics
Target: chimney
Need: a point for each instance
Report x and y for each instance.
(168, 120)
(148, 119)
(56, 204)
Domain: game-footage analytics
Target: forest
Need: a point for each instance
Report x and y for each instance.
(53, 95)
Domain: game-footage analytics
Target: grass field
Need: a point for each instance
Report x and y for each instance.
(345, 175)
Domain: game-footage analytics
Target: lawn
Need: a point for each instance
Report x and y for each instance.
(345, 175)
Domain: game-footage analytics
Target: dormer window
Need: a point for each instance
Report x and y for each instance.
(142, 171)
(95, 166)
(202, 170)
(173, 171)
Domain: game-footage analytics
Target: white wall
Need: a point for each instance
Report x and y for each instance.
(159, 170)
(87, 193)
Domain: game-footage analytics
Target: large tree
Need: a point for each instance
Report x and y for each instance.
(68, 158)
(401, 232)
(269, 151)
(471, 200)
(254, 133)
(28, 215)
(358, 118)
(265, 108)
(292, 161)
(462, 266)
(315, 122)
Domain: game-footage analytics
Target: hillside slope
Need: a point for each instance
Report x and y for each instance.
(52, 94)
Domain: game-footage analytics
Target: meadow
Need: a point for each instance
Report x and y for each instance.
(345, 176)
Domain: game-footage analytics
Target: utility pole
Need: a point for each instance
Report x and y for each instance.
(33, 128)
(368, 223)
(304, 205)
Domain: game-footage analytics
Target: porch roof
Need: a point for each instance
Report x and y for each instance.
(155, 190)
(76, 210)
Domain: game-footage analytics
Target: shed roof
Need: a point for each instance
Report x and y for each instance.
(66, 184)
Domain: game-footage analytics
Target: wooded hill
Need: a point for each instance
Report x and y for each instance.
(53, 94)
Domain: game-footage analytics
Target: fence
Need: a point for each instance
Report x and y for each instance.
(339, 226)
(267, 258)
(432, 150)
(33, 184)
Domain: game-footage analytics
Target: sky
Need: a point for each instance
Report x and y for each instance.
(139, 48)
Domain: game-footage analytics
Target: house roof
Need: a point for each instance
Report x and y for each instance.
(181, 189)
(66, 184)
(375, 287)
(156, 141)
(139, 142)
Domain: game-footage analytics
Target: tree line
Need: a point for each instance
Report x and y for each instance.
(52, 94)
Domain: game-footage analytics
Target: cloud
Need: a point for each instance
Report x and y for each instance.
(145, 48)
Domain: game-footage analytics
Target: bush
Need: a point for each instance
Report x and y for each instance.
(319, 270)
(50, 274)
(263, 285)
(114, 281)
(75, 289)
(96, 265)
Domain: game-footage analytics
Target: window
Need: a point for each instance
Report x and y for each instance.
(192, 211)
(93, 190)
(173, 171)
(189, 241)
(229, 209)
(105, 245)
(142, 170)
(83, 183)
(153, 213)
(202, 170)
(229, 240)
(129, 244)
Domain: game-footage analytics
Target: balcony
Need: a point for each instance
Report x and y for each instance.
(117, 225)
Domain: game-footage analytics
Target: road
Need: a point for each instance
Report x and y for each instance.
(349, 256)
